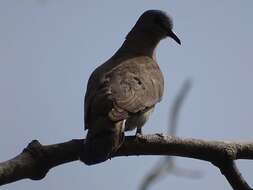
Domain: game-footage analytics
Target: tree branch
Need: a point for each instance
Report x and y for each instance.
(36, 160)
(233, 176)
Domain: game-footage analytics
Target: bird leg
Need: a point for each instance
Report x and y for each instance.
(138, 131)
(123, 125)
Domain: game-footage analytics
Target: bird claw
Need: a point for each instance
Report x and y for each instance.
(138, 131)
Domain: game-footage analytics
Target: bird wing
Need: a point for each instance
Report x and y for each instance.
(130, 87)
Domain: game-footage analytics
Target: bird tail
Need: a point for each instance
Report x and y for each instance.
(101, 142)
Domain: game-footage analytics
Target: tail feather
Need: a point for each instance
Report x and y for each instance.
(101, 144)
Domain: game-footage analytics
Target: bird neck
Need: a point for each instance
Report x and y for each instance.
(141, 44)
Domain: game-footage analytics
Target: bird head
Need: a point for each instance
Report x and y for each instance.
(157, 24)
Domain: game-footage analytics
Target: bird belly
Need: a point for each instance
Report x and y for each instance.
(137, 120)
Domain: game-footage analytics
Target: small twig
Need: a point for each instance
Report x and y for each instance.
(156, 172)
(177, 106)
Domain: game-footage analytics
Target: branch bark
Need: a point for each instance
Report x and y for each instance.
(36, 160)
(234, 177)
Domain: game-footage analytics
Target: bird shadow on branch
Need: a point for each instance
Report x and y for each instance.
(167, 165)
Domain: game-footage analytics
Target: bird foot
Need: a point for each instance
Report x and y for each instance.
(138, 133)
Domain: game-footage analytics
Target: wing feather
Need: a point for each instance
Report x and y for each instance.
(132, 86)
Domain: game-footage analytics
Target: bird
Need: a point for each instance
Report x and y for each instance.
(122, 92)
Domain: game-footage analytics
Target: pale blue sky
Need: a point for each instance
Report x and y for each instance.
(48, 48)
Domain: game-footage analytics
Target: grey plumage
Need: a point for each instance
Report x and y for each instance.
(122, 92)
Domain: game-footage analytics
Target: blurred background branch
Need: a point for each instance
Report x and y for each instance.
(166, 165)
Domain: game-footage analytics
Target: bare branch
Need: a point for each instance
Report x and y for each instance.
(232, 174)
(36, 160)
(177, 106)
(164, 166)
(161, 169)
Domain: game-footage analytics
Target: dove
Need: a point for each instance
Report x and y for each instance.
(122, 92)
